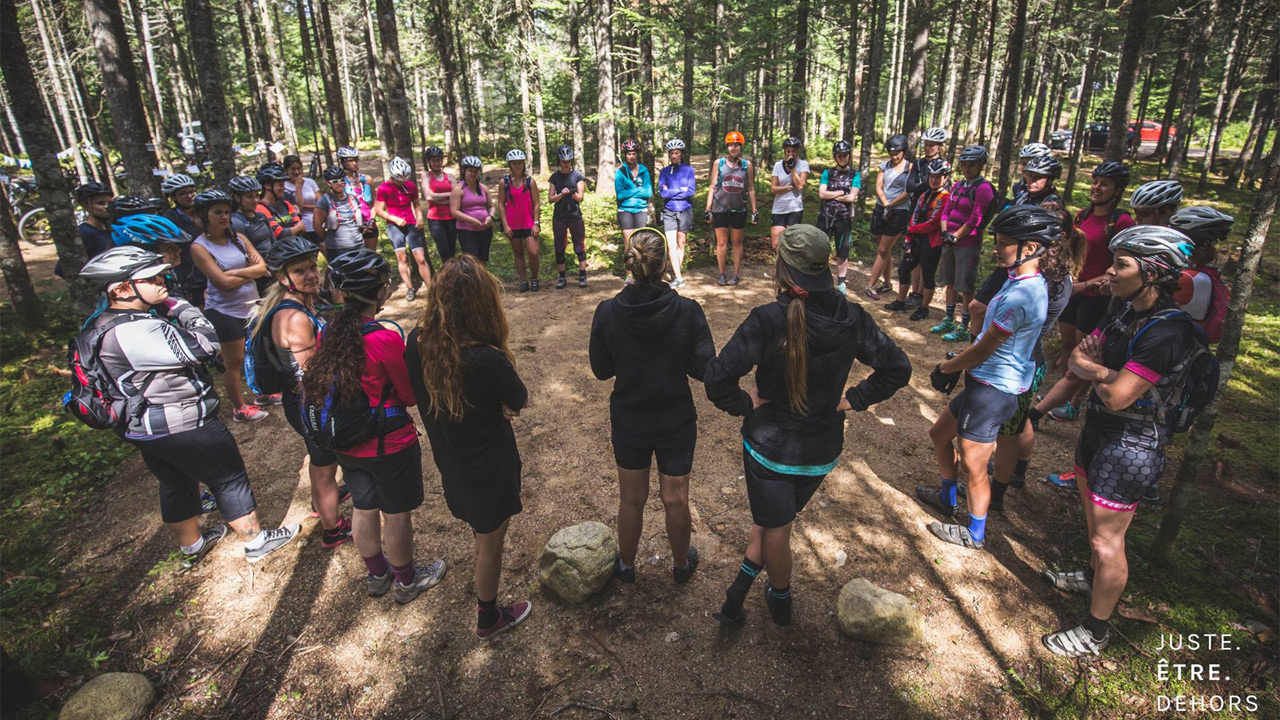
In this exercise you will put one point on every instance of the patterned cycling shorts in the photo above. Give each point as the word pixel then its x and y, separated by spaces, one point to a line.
pixel 1119 469
pixel 1026 401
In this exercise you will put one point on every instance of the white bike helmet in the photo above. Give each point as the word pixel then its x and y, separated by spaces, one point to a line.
pixel 1035 149
pixel 176 182
pixel 1161 249
pixel 675 144
pixel 347 152
pixel 1156 193
pixel 121 264
pixel 936 134
pixel 399 168
pixel 514 155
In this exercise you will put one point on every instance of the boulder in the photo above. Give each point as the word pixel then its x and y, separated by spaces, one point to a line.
pixel 111 696
pixel 578 561
pixel 873 614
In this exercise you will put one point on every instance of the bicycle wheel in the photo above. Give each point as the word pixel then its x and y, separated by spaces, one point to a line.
pixel 34 227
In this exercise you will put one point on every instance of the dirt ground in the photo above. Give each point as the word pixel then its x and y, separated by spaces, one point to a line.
pixel 296 636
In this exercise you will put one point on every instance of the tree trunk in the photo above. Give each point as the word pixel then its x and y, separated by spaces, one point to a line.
pixel 871 88
pixel 1175 87
pixel 38 133
pixel 575 83
pixel 152 95
pixel 381 115
pixel 984 96
pixel 1215 124
pixel 336 105
pixel 850 119
pixel 58 89
pixel 120 84
pixel 393 81
pixel 1191 94
pixel 648 92
pixel 260 121
pixel 467 90
pixel 440 23
pixel 947 73
pixel 1126 78
pixel 1264 207
pixel 309 62
pixel 799 78
pixel 17 281
pixel 275 71
pixel 1013 77
pixel 605 153
pixel 686 79
pixel 716 85
pixel 214 122
pixel 1078 140
pixel 913 108
pixel 180 74
pixel 970 40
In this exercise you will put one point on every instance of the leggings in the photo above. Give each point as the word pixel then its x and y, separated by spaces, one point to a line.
pixel 569 227
pixel 444 232
pixel 917 252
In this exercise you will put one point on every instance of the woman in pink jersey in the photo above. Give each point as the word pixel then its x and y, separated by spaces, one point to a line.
pixel 397 203
pixel 518 206
pixel 472 210
pixel 437 188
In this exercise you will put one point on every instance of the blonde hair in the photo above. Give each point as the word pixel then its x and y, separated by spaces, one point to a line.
pixel 796 345
pixel 646 257
pixel 275 293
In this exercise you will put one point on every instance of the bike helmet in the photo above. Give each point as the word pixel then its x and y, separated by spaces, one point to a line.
pixel 471 161
pixel 346 152
pixel 122 264
pixel 1156 194
pixel 271 173
pixel 146 231
pixel 1028 223
pixel 176 182
pixel 630 145
pixel 792 141
pixel 90 190
pixel 564 152
pixel 244 184
pixel 518 155
pixel 973 153
pixel 1046 165
pixel 938 166
pixel 897 143
pixel 842 147
pixel 733 137
pixel 675 144
pixel 399 168
pixel 126 205
pixel 208 198
pixel 360 274
pixel 936 135
pixel 1035 149
pixel 333 173
pixel 1117 172
pixel 1158 249
pixel 288 249
pixel 433 151
pixel 1202 223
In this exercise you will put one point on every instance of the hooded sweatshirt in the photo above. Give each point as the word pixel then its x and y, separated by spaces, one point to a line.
pixel 839 332
pixel 650 339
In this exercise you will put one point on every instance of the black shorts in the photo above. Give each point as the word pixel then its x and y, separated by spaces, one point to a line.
pixel 229 329
pixel 1118 469
pixel 787 219
pixel 675 454
pixel 521 233
pixel 207 454
pixel 483 502
pixel 980 410
pixel 391 483
pixel 1084 312
pixel 409 236
pixel 776 498
pixel 320 457
pixel 736 220
pixel 444 232
pixel 896 224
pixel 476 242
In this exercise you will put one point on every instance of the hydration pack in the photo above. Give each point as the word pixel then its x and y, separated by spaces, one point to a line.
pixel 992 209
pixel 264 371
pixel 341 426
pixel 94 398
pixel 1194 382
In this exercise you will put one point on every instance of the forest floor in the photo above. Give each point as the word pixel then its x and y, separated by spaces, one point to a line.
pixel 296 636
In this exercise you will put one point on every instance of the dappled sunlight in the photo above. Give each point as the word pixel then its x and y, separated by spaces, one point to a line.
pixel 904 335
pixel 929 413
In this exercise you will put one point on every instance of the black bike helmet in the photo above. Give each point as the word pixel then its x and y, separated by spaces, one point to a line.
pixel 360 274
pixel 973 153
pixel 271 173
pixel 842 147
pixel 244 184
pixel 1028 223
pixel 433 151
pixel 90 190
pixel 897 143
pixel 1118 172
pixel 126 205
pixel 1046 165
pixel 938 166
pixel 208 198
pixel 564 152
pixel 333 173
pixel 288 249
pixel 792 141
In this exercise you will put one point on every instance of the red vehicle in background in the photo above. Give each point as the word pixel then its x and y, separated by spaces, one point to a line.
pixel 1150 131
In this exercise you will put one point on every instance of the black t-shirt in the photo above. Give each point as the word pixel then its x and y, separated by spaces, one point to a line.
pixel 566 208
pixel 1155 355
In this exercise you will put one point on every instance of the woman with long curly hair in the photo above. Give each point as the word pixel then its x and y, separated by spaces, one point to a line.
pixel 361 362
pixel 467 389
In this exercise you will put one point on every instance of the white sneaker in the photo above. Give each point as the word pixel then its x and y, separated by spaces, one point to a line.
pixel 275 540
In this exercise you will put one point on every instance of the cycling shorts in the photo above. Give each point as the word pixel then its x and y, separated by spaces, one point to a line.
pixel 391 483
pixel 1118 468
pixel 980 410
pixel 675 455
pixel 732 220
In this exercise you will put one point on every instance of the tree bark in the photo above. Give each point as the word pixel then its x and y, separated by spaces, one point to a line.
pixel 1171 104
pixel 649 92
pixel 38 134
pixel 275 71
pixel 850 119
pixel 257 115
pixel 1191 94
pixel 17 281
pixel 984 96
pixel 717 35
pixel 871 89
pixel 799 77
pixel 1078 140
pixel 468 89
pixel 397 101
pixel 575 83
pixel 180 73
pixel 381 113
pixel 946 73
pixel 214 122
pixel 913 108
pixel 440 23
pixel 1127 78
pixel 120 84
pixel 1264 207
pixel 970 40
pixel 1013 76
pixel 59 91
pixel 605 163
pixel 1215 124
pixel 152 95
pixel 337 109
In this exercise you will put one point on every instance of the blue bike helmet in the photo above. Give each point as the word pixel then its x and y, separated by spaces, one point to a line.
pixel 146 231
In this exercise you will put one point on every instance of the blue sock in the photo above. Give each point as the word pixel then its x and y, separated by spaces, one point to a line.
pixel 977 527
pixel 948 491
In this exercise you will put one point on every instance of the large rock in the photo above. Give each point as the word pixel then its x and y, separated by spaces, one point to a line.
pixel 578 561
pixel 870 613
pixel 111 696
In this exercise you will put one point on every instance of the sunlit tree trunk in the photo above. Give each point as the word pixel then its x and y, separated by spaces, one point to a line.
pixel 441 21
pixel 337 110
pixel 605 162
pixel 1203 32
pixel 1127 78
pixel 275 67
pixel 17 281
pixel 871 88
pixel 575 83
pixel 393 81
pixel 913 108
pixel 1013 77
pixel 1086 100
pixel 798 72
pixel 850 114
pixel 1215 124
pixel 215 125
pixel 58 90
pixel 1171 104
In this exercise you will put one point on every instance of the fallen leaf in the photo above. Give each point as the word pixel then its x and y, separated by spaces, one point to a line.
pixel 1133 613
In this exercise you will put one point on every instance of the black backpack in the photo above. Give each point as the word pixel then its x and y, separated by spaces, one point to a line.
pixel 94 398
pixel 992 209
pixel 263 369
pixel 1195 379
pixel 339 427
pixel 1112 219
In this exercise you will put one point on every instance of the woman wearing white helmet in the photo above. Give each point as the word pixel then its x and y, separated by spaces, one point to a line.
pixel 932 140
pixel 518 211
pixel 677 185
pixel 1155 202
pixel 358 188
pixel 472 208
pixel 397 203
pixel 1028 151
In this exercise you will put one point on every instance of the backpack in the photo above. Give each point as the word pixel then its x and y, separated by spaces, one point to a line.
pixel 263 369
pixel 1195 383
pixel 1216 316
pixel 992 209
pixel 94 398
pixel 1112 219
pixel 339 427
pixel 746 167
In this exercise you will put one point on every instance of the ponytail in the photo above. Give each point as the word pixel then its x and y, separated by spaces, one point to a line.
pixel 797 342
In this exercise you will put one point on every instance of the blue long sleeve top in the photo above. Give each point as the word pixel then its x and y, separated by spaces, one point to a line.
pixel 676 184
pixel 633 195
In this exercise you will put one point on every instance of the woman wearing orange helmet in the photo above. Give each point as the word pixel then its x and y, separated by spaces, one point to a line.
pixel 733 183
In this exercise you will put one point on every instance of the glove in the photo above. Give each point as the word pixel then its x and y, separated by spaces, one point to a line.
pixel 949 239
pixel 707 215
pixel 789 165
pixel 943 382
pixel 755 217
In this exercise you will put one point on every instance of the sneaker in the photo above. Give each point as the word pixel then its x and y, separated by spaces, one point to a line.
pixel 533 285
pixel 914 300
pixel 871 293
pixel 509 616
pixel 683 574
pixel 1065 412
pixel 409 294
pixel 582 280
pixel 779 610
pixel 933 498
pixel 1075 642
pixel 627 575
pixel 208 503
pixel 1066 480
pixel 425 577
pixel 249 413
pixel 955 534
pixel 946 326
pixel 677 283
pixel 1152 495
pixel 561 282
pixel 377 585
pixel 921 313
pixel 276 539
pixel 896 306
pixel 735 280
pixel 211 537
pixel 274 399
pixel 341 533
pixel 885 287
pixel 722 280
pixel 524 286
pixel 343 495
pixel 842 288
pixel 959 334
pixel 1074 582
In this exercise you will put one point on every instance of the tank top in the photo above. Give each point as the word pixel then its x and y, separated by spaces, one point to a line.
pixel 519 207
pixel 474 204
pixel 441 184
pixel 731 187
pixel 239 300
pixel 895 182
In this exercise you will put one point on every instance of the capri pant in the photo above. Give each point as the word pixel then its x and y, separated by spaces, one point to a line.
pixel 476 242
pixel 207 454
pixel 561 230
pixel 917 252
pixel 445 234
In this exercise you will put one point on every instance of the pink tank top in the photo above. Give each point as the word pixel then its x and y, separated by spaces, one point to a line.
pixel 519 207
pixel 474 204
pixel 441 184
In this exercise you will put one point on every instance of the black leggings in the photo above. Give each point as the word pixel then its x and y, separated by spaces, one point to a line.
pixel 917 252
pixel 575 228
pixel 444 232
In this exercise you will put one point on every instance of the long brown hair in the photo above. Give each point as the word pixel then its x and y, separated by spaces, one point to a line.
pixel 1064 257
pixel 464 308
pixel 797 342
pixel 340 358
pixel 646 258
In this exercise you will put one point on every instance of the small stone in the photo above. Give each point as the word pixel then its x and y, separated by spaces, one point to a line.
pixel 303 542
pixel 726 490
pixel 111 696
pixel 577 561
pixel 673 636
pixel 870 613
pixel 841 558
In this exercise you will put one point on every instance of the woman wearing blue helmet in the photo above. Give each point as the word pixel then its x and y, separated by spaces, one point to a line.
pixel 159 235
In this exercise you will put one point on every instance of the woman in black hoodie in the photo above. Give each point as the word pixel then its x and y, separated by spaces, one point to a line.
pixel 802 347
pixel 649 339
